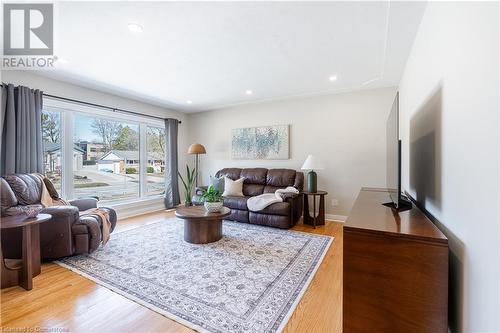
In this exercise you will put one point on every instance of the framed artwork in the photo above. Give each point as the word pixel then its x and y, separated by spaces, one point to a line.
pixel 260 143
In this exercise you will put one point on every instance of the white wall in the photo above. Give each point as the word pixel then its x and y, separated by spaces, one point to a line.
pixel 449 97
pixel 346 131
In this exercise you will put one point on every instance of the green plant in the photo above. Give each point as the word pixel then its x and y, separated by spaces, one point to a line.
pixel 150 169
pixel 130 170
pixel 211 195
pixel 188 184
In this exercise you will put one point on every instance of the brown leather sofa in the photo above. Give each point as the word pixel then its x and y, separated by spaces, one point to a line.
pixel 258 181
pixel 64 235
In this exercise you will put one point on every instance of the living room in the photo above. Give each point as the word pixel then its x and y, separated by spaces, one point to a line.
pixel 250 167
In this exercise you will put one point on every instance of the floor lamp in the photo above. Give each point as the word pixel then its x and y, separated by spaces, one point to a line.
pixel 196 149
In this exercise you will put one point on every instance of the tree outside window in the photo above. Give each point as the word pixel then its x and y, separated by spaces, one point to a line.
pixel 51 136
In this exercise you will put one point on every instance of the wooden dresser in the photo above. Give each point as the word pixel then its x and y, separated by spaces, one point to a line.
pixel 395 269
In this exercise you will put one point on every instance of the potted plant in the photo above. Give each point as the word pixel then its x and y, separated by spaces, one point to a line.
pixel 188 185
pixel 212 200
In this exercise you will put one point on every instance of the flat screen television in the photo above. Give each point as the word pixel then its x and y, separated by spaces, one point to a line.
pixel 397 200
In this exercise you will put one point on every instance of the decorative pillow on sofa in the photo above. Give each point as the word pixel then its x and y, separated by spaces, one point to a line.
pixel 233 188
pixel 217 183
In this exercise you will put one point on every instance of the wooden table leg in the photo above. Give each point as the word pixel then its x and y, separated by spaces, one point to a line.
pixel 321 213
pixel 306 216
pixel 314 211
pixel 35 249
pixel 27 270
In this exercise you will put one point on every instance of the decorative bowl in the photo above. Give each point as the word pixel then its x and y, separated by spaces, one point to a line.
pixel 31 211
pixel 213 207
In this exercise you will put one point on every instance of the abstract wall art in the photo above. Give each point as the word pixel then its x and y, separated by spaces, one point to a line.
pixel 261 143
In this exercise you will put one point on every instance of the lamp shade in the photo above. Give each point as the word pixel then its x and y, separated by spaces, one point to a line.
pixel 312 163
pixel 196 148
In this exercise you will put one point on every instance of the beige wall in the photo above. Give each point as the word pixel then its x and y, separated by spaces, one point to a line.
pixel 346 131
pixel 449 98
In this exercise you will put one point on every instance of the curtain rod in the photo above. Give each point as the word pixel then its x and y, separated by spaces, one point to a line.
pixel 100 106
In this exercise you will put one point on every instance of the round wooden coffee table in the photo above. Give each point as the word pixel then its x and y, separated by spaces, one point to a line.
pixel 200 226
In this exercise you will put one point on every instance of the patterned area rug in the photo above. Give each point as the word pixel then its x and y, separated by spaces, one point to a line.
pixel 249 281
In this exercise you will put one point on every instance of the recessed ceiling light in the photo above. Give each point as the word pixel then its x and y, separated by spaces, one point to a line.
pixel 333 78
pixel 189 102
pixel 249 92
pixel 134 27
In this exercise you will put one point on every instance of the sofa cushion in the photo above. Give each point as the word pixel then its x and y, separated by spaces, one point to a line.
pixel 280 177
pixel 252 190
pixel 7 196
pixel 254 176
pixel 278 208
pixel 27 187
pixel 271 189
pixel 236 202
pixel 233 173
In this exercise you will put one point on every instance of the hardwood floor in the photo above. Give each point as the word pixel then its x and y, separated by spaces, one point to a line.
pixel 68 302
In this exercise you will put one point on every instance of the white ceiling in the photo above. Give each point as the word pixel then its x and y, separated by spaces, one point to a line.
pixel 211 52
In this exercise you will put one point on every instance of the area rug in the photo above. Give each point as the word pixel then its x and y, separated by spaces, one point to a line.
pixel 249 281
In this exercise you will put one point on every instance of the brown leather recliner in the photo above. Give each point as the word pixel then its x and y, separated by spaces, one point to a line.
pixel 64 235
pixel 258 181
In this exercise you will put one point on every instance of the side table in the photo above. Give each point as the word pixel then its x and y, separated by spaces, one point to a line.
pixel 21 272
pixel 318 217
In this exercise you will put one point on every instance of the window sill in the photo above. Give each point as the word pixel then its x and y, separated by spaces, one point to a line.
pixel 118 203
pixel 134 207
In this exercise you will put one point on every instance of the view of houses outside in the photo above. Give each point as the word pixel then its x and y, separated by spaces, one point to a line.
pixel 106 158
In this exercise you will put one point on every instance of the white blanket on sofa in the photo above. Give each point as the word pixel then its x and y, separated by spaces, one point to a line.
pixel 262 201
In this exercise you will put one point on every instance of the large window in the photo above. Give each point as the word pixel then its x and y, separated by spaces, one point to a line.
pixel 113 156
pixel 155 137
pixel 52 152
pixel 108 165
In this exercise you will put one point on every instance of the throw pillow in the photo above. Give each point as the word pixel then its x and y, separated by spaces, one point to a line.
pixel 233 187
pixel 217 183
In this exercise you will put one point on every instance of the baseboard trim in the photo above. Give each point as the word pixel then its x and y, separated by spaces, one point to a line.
pixel 336 218
pixel 333 217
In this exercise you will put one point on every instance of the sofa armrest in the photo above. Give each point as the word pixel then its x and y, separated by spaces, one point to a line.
pixel 62 213
pixel 288 195
pixel 296 201
pixel 84 204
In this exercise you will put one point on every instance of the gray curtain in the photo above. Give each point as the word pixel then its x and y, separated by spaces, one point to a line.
pixel 21 149
pixel 172 198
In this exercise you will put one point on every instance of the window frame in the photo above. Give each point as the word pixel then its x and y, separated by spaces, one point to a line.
pixel 146 159
pixel 68 110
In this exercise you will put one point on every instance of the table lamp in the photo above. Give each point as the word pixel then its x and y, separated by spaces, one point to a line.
pixel 312 163
pixel 196 149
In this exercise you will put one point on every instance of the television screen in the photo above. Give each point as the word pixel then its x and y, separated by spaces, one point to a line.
pixel 393 169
